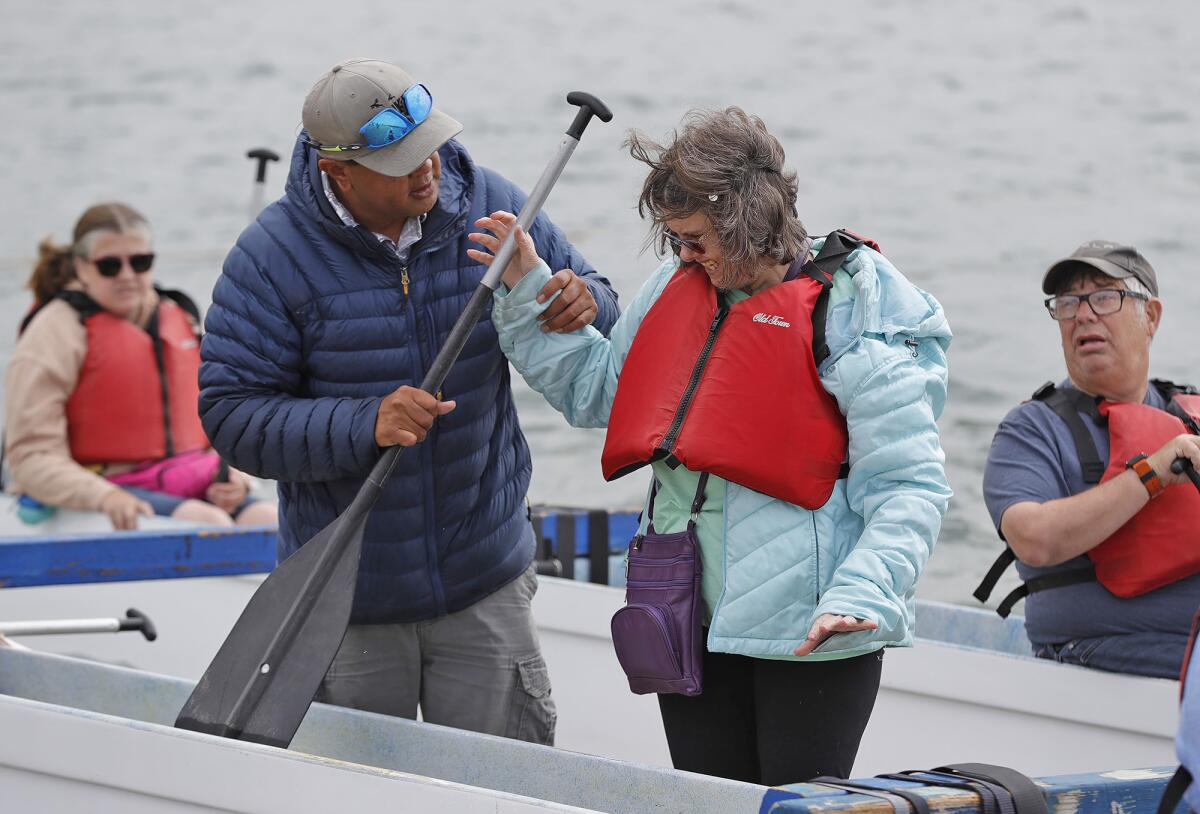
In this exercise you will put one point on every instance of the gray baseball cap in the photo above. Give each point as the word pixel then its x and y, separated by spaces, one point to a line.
pixel 353 92
pixel 1113 259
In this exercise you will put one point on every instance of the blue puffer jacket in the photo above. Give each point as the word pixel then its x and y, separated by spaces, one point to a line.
pixel 861 553
pixel 310 328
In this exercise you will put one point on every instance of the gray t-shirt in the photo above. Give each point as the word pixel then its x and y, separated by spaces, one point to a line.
pixel 1033 458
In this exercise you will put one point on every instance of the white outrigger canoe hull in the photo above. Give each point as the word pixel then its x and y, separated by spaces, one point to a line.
pixel 965 692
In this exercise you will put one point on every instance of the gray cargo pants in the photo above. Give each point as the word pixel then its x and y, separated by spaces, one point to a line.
pixel 479 669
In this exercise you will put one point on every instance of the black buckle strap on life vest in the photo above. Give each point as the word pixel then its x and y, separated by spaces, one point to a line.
pixel 1169 390
pixel 84 305
pixel 988 583
pixel 1067 404
pixel 1061 579
pixel 837 247
pixel 916 802
pixel 1174 790
pixel 183 301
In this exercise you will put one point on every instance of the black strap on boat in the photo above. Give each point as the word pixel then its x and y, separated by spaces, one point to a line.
pixel 1174 790
pixel 916 802
pixel 987 799
pixel 1026 796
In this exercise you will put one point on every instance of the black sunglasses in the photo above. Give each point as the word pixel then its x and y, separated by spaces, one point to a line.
pixel 677 242
pixel 110 266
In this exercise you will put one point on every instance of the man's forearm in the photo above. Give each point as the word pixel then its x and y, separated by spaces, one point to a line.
pixel 1050 533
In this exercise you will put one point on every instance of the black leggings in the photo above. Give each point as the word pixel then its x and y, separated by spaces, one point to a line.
pixel 773 722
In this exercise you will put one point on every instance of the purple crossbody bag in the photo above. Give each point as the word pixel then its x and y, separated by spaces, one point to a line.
pixel 657 634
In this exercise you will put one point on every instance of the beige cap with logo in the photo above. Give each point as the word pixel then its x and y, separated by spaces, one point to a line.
pixel 349 96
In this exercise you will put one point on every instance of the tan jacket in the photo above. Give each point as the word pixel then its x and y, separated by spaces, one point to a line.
pixel 40 378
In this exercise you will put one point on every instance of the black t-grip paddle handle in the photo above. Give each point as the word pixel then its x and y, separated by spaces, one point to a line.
pixel 1183 466
pixel 136 620
pixel 588 106
pixel 262 155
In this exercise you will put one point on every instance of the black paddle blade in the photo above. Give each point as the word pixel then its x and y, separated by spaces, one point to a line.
pixel 263 679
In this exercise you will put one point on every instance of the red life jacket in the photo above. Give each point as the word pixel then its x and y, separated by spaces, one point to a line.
pixel 1161 543
pixel 733 389
pixel 1158 545
pixel 136 398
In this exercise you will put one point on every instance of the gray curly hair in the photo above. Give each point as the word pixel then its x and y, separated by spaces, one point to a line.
pixel 725 164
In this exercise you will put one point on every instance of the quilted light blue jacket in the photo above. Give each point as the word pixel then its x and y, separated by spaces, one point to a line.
pixel 861 553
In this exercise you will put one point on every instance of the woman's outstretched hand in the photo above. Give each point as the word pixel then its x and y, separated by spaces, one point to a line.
pixel 828 624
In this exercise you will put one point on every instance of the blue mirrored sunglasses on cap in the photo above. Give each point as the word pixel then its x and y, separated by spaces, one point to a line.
pixel 390 124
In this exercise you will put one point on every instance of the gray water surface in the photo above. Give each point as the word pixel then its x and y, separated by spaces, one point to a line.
pixel 977 142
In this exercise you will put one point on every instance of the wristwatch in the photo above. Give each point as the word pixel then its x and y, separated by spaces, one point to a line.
pixel 1141 466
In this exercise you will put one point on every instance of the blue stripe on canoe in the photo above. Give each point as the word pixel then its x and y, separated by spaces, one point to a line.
pixel 118 556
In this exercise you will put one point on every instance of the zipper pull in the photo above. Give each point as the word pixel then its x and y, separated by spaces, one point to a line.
pixel 404 279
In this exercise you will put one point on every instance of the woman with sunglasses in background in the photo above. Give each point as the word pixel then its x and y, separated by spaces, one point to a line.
pixel 805 472
pixel 101 392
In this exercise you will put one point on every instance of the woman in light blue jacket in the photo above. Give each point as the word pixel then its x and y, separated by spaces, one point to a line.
pixel 797 603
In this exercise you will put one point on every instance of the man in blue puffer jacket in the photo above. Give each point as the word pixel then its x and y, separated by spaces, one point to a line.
pixel 329 311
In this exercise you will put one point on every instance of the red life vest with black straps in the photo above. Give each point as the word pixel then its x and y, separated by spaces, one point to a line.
pixel 137 393
pixel 1160 544
pixel 733 390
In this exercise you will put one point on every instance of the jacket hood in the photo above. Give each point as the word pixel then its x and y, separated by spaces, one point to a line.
pixel 447 218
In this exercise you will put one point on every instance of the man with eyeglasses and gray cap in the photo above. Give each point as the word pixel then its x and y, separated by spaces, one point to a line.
pixel 329 311
pixel 1080 485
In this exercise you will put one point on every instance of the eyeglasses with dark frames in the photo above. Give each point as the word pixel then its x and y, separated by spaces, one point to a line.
pixel 111 265
pixel 1103 301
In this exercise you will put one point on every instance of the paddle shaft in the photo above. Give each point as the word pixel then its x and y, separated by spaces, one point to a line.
pixel 302 603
